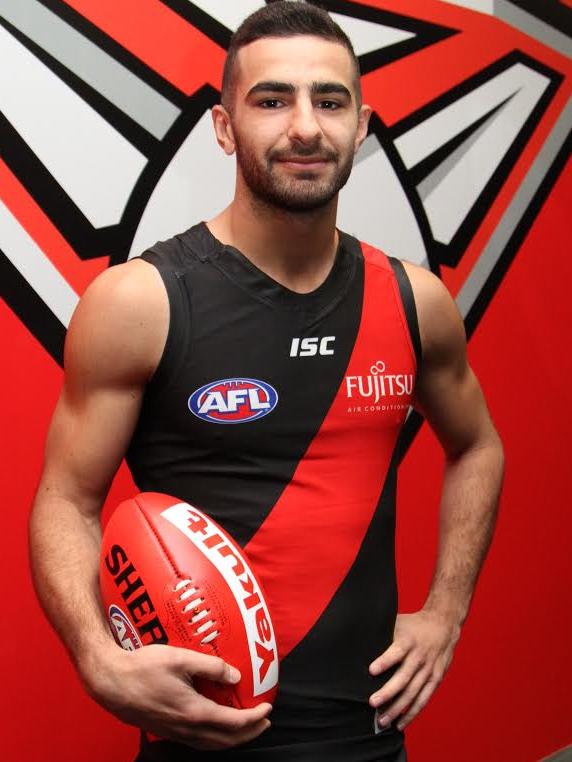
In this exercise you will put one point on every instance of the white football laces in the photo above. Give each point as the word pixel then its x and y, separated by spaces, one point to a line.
pixel 200 612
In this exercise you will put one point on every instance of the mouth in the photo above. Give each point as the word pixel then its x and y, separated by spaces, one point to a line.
pixel 304 162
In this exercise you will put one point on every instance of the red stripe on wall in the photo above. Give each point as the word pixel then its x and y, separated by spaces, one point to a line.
pixel 34 220
pixel 308 543
pixel 160 38
pixel 431 69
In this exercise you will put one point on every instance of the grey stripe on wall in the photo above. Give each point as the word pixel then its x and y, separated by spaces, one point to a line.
pixel 36 268
pixel 540 30
pixel 514 213
pixel 98 69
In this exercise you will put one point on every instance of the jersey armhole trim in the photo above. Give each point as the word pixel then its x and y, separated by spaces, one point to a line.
pixel 409 307
pixel 172 284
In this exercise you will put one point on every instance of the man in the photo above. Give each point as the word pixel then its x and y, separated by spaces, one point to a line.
pixel 270 290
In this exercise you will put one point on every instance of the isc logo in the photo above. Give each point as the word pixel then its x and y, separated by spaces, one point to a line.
pixel 311 347
pixel 233 400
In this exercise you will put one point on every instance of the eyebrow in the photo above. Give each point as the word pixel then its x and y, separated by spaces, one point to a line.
pixel 316 88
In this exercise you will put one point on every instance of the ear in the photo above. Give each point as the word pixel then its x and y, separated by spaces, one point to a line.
pixel 363 122
pixel 223 129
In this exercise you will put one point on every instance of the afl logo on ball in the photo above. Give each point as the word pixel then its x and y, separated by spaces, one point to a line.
pixel 233 400
pixel 123 630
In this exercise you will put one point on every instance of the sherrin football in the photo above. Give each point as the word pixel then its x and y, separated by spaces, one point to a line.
pixel 170 574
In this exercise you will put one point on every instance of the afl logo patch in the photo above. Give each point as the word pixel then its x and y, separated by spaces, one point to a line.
pixel 122 630
pixel 233 400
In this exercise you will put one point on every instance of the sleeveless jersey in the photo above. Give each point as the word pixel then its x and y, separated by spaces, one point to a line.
pixel 301 470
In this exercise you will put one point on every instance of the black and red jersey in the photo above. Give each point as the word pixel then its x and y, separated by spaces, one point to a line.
pixel 278 414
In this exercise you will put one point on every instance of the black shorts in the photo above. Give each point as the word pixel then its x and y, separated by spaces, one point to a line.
pixel 370 748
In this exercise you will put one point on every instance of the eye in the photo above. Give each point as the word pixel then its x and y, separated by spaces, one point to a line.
pixel 270 103
pixel 329 105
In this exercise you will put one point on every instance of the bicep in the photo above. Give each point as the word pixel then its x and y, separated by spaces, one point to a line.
pixel 451 400
pixel 112 347
pixel 88 437
pixel 447 392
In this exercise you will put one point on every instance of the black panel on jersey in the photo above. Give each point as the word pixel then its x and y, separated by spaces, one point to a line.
pixel 408 305
pixel 229 319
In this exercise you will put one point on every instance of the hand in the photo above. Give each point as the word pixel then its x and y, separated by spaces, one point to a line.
pixel 152 688
pixel 423 646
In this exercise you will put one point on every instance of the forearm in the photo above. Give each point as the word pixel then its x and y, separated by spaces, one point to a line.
pixel 64 554
pixel 471 490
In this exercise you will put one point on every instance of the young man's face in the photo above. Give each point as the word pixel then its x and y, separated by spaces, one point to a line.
pixel 295 124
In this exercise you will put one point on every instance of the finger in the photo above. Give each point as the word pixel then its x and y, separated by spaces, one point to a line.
pixel 197 724
pixel 209 667
pixel 207 712
pixel 396 652
pixel 419 703
pixel 254 731
pixel 398 682
pixel 404 700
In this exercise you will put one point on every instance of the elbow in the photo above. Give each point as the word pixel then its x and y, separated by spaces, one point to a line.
pixel 486 446
pixel 497 449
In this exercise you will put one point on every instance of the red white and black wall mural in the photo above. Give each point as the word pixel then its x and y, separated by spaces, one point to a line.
pixel 107 146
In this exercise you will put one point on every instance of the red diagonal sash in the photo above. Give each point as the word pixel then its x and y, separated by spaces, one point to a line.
pixel 308 542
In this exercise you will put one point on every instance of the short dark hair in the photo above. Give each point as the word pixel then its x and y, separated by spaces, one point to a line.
pixel 285 18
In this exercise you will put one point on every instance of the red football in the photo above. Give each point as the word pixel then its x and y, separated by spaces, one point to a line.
pixel 170 574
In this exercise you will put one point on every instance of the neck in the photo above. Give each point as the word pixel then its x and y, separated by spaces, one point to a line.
pixel 297 249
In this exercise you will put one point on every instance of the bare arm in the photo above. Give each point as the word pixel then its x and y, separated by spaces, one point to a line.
pixel 112 348
pixel 449 396
pixel 90 430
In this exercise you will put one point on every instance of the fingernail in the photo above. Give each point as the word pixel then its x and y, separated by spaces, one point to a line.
pixel 384 721
pixel 234 675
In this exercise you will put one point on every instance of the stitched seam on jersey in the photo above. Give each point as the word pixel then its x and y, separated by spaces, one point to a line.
pixel 168 338
pixel 200 255
pixel 211 259
pixel 336 298
pixel 164 375
pixel 287 307
pixel 241 286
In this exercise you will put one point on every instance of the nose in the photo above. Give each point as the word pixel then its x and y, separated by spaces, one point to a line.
pixel 304 127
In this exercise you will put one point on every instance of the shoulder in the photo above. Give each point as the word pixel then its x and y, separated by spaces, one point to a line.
pixel 121 322
pixel 440 324
pixel 126 287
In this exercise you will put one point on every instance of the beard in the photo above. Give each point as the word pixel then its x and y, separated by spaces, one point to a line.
pixel 299 192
